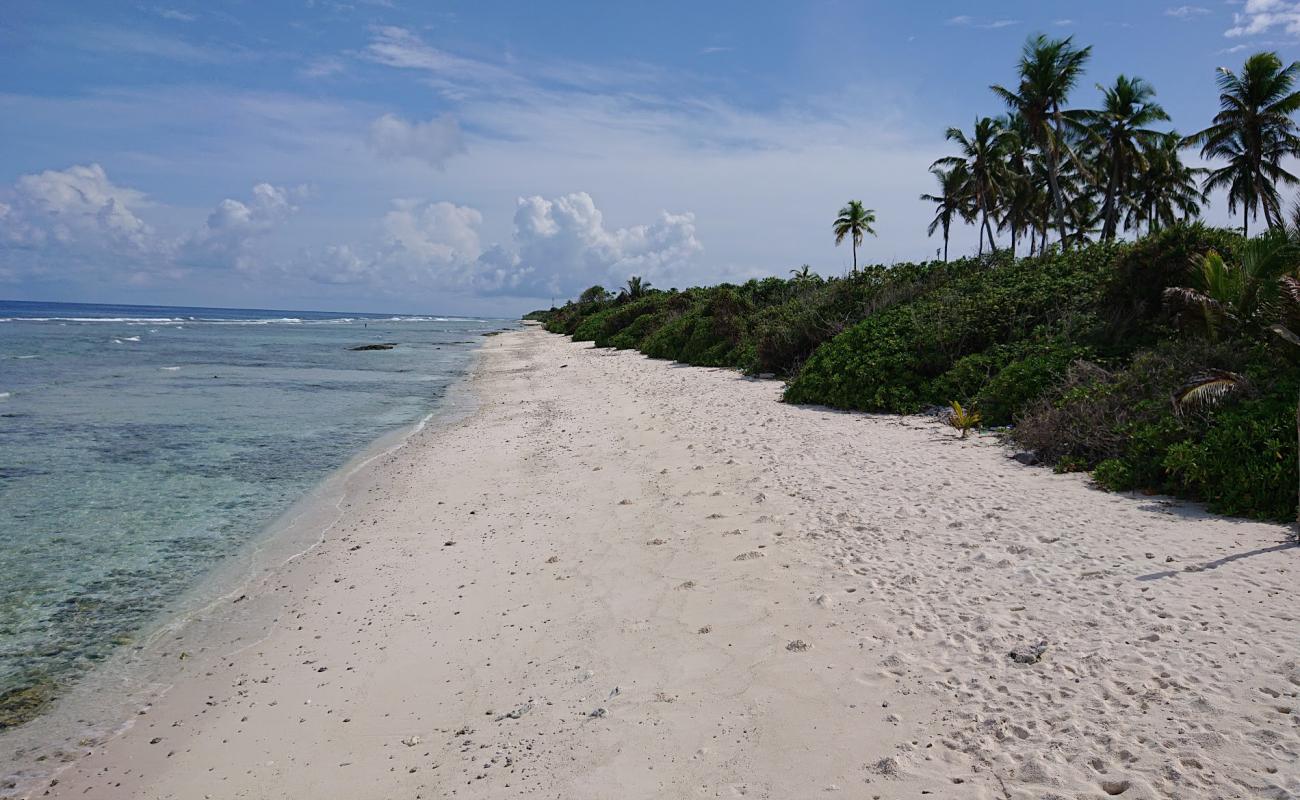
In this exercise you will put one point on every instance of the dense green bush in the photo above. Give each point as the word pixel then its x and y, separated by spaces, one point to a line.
pixel 895 360
pixel 1239 457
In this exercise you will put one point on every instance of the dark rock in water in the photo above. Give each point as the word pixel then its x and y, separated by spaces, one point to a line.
pixel 1029 459
pixel 380 346
pixel 1028 653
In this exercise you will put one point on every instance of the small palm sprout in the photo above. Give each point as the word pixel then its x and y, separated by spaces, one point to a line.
pixel 963 419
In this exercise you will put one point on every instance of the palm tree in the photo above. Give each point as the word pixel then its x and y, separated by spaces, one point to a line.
pixel 1254 131
pixel 951 201
pixel 1167 190
pixel 854 221
pixel 1246 295
pixel 1119 129
pixel 636 288
pixel 1049 69
pixel 804 273
pixel 1020 195
pixel 982 158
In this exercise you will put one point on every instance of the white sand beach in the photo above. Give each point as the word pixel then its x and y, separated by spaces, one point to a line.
pixel 624 578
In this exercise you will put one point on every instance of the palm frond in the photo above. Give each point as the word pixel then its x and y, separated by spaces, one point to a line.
pixel 1208 389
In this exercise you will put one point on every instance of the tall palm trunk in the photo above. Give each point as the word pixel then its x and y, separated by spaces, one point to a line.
pixel 993 248
pixel 1109 211
pixel 855 257
pixel 1053 179
pixel 945 243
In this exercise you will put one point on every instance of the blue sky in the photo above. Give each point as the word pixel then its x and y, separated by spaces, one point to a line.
pixel 482 157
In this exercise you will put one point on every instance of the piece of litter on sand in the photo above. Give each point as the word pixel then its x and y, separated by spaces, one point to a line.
pixel 516 713
pixel 1028 653
pixel 598 713
pixel 411 741
pixel 798 646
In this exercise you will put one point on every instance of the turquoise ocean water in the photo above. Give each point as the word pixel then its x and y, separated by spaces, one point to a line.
pixel 139 446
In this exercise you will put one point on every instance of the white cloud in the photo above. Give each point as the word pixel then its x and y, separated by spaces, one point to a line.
pixel 565 245
pixel 558 247
pixel 436 234
pixel 176 15
pixel 78 209
pixel 398 47
pixel 324 67
pixel 1261 16
pixel 970 22
pixel 338 264
pixel 1187 12
pixel 227 238
pixel 432 142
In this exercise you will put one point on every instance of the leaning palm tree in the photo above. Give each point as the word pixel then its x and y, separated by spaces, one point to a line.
pixel 983 160
pixel 1254 132
pixel 1119 131
pixel 951 201
pixel 1049 69
pixel 854 222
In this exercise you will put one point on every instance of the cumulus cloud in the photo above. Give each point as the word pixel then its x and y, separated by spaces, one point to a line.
pixel 60 222
pixel 565 245
pixel 437 234
pixel 557 247
pixel 78 220
pixel 1262 16
pixel 227 238
pixel 75 207
pixel 432 142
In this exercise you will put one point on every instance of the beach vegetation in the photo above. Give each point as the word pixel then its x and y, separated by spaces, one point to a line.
pixel 1099 323
pixel 961 418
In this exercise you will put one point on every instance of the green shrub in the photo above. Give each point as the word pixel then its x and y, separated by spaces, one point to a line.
pixel 1244 464
pixel 1113 475
pixel 888 361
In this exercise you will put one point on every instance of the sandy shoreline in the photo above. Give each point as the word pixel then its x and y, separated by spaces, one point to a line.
pixel 625 578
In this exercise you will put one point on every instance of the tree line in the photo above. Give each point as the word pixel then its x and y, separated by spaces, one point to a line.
pixel 1051 175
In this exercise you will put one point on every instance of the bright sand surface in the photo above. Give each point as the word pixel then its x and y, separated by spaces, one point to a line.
pixel 623 578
